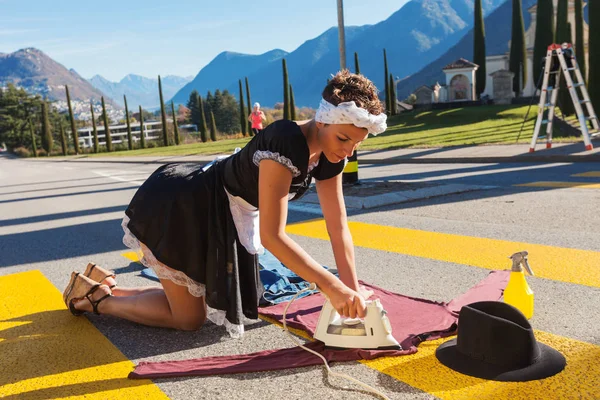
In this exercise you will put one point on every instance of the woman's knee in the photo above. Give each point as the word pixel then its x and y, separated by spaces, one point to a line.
pixel 190 322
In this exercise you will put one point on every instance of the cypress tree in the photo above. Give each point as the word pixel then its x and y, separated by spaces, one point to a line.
pixel 387 85
pixel 579 41
pixel 562 36
pixel 33 139
pixel 356 64
pixel 163 114
pixel 544 36
pixel 213 127
pixel 47 141
pixel 286 94
pixel 106 128
pixel 129 137
pixel 249 106
pixel 479 50
pixel 594 52
pixel 175 128
pixel 243 119
pixel 518 51
pixel 142 133
pixel 72 120
pixel 392 96
pixel 292 104
pixel 203 129
pixel 63 139
pixel 94 129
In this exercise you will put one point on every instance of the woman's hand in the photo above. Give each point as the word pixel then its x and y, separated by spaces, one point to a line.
pixel 348 302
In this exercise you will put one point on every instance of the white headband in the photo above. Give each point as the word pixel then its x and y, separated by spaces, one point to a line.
pixel 349 113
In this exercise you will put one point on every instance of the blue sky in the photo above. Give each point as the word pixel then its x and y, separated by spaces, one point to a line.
pixel 115 38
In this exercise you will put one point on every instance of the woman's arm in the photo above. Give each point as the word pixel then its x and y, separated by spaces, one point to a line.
pixel 334 210
pixel 274 183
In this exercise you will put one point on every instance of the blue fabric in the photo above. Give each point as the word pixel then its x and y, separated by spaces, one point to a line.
pixel 280 283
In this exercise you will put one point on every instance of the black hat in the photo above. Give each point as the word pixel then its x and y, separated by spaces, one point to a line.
pixel 495 341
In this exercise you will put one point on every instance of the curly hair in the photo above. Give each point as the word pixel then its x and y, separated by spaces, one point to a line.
pixel 346 86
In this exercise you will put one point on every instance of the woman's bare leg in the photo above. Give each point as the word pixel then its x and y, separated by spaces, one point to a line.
pixel 170 307
pixel 120 291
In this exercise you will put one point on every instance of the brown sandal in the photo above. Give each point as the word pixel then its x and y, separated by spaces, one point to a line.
pixel 99 274
pixel 81 287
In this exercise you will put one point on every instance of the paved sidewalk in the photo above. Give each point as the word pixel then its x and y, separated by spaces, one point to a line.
pixel 560 152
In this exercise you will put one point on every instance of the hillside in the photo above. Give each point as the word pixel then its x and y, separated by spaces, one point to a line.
pixel 37 73
pixel 139 90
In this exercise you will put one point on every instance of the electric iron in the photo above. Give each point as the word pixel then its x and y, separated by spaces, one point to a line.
pixel 372 332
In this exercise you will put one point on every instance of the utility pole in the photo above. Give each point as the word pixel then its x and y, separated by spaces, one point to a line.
pixel 350 173
pixel 341 33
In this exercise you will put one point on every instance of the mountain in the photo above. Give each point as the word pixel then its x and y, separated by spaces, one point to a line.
pixel 409 36
pixel 37 73
pixel 225 70
pixel 139 90
pixel 498 33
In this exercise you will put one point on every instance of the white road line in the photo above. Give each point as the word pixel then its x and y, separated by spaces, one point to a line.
pixel 117 178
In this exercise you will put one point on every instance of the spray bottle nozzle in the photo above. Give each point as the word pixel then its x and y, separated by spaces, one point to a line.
pixel 519 261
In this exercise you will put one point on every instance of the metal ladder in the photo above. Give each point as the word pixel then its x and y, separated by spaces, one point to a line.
pixel 561 58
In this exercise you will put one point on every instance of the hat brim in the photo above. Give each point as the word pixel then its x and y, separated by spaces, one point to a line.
pixel 550 362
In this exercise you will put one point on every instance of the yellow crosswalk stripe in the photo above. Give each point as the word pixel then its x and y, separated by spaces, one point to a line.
pixel 579 380
pixel 578 185
pixel 589 174
pixel 556 263
pixel 47 353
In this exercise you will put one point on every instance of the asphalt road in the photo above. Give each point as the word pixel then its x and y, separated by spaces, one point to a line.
pixel 57 216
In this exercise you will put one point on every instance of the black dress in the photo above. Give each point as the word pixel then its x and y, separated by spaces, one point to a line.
pixel 182 214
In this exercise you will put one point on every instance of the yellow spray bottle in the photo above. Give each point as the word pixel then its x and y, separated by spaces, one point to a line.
pixel 517 292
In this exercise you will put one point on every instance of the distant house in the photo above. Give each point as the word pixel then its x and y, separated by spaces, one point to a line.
pixel 460 80
pixel 423 94
pixel 500 61
pixel 403 107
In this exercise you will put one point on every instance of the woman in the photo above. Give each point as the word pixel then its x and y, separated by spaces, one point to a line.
pixel 200 230
pixel 256 118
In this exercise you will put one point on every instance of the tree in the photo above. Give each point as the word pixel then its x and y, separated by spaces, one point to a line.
pixel 129 137
pixel 392 96
pixel 47 141
pixel 142 133
pixel 249 105
pixel 175 128
pixel 518 51
pixel 16 108
pixel 579 42
pixel 356 64
pixel 106 127
pixel 226 109
pixel 33 139
pixel 213 127
pixel 203 129
pixel 163 114
pixel 292 105
pixel 594 52
pixel 563 35
pixel 243 119
pixel 192 104
pixel 94 129
pixel 387 85
pixel 72 120
pixel 63 139
pixel 479 50
pixel 286 94
pixel 544 36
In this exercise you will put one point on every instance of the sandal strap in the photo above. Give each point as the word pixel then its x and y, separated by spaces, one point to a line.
pixel 95 303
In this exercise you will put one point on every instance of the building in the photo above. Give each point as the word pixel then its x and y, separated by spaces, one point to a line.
pixel 500 62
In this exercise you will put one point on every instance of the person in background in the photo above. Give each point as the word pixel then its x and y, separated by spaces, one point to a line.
pixel 257 117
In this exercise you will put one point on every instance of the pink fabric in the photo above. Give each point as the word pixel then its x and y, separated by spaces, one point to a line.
pixel 413 320
pixel 257 120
